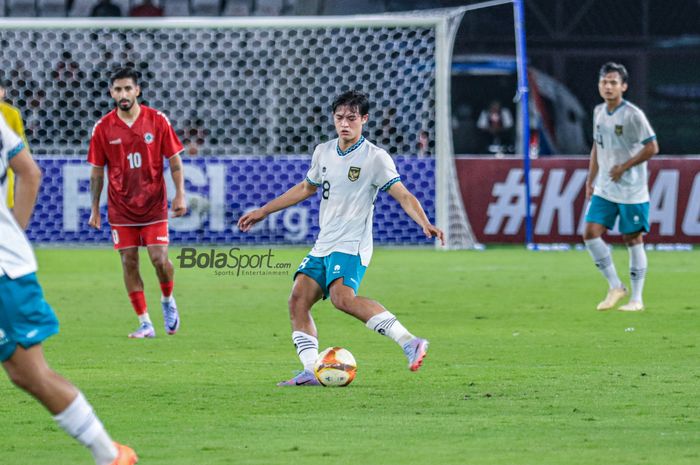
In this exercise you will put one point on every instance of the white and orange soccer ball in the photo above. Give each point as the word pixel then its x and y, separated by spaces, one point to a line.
pixel 335 367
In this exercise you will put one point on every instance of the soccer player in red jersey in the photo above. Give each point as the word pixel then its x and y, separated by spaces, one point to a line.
pixel 131 141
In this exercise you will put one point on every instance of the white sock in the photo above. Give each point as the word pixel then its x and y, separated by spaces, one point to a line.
pixel 603 261
pixel 307 349
pixel 145 318
pixel 164 299
pixel 80 421
pixel 386 324
pixel 638 270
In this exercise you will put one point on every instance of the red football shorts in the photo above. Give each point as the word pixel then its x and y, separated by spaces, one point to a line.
pixel 125 237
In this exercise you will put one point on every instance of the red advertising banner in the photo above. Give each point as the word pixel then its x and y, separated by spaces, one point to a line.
pixel 494 197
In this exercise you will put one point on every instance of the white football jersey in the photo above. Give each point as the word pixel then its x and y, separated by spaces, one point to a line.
pixel 619 135
pixel 349 182
pixel 16 255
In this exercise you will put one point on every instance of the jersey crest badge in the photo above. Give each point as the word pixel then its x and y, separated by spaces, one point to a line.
pixel 354 173
pixel 148 137
pixel 618 130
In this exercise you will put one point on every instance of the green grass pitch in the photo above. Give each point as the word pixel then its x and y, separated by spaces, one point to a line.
pixel 521 369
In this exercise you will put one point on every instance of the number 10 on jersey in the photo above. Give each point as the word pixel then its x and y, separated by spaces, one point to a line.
pixel 134 160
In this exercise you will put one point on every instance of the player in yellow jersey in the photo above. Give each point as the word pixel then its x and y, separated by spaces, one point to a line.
pixel 13 117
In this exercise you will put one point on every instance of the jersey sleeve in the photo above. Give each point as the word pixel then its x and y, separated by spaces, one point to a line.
pixel 170 145
pixel 14 120
pixel 11 142
pixel 313 176
pixel 642 131
pixel 386 174
pixel 96 152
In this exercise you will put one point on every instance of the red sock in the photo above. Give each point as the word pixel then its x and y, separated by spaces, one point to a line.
pixel 138 301
pixel 167 288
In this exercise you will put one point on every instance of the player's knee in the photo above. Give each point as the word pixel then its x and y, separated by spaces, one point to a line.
pixel 590 233
pixel 130 262
pixel 16 378
pixel 632 239
pixel 24 379
pixel 341 300
pixel 297 305
pixel 161 262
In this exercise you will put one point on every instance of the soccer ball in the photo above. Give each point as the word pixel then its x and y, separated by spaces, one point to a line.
pixel 335 367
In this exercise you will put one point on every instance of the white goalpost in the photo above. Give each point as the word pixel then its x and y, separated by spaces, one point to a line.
pixel 264 83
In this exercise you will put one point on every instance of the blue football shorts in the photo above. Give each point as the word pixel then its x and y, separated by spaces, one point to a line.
pixel 634 217
pixel 325 270
pixel 25 317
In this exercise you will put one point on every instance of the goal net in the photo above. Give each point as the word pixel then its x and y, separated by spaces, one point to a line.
pixel 252 86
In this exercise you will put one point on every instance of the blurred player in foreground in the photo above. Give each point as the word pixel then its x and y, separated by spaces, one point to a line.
pixel 350 171
pixel 617 185
pixel 26 319
pixel 131 141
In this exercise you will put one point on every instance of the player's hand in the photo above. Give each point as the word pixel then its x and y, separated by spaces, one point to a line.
pixel 95 220
pixel 179 206
pixel 432 231
pixel 589 191
pixel 616 172
pixel 247 221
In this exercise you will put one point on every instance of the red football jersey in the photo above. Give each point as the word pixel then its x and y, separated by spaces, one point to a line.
pixel 133 155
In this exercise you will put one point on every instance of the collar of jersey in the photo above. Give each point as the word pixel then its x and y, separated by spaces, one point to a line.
pixel 354 147
pixel 622 104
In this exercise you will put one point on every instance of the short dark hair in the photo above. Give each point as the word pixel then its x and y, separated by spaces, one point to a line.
pixel 612 67
pixel 352 99
pixel 125 72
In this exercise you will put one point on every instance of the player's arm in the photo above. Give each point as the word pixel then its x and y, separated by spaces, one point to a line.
pixel 592 171
pixel 97 180
pixel 27 186
pixel 179 207
pixel 413 208
pixel 293 196
pixel 649 149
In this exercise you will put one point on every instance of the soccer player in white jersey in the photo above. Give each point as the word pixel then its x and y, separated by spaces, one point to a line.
pixel 617 185
pixel 26 320
pixel 350 171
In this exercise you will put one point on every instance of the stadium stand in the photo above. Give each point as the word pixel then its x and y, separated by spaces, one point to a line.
pixel 307 7
pixel 51 8
pixel 237 8
pixel 81 8
pixel 343 7
pixel 268 7
pixel 21 8
pixel 176 8
pixel 205 7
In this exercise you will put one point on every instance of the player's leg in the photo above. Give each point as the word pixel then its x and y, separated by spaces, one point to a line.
pixel 134 288
pixel 634 221
pixel 306 291
pixel 158 253
pixel 27 320
pixel 28 370
pixel 344 298
pixel 345 273
pixel 163 266
pixel 600 217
